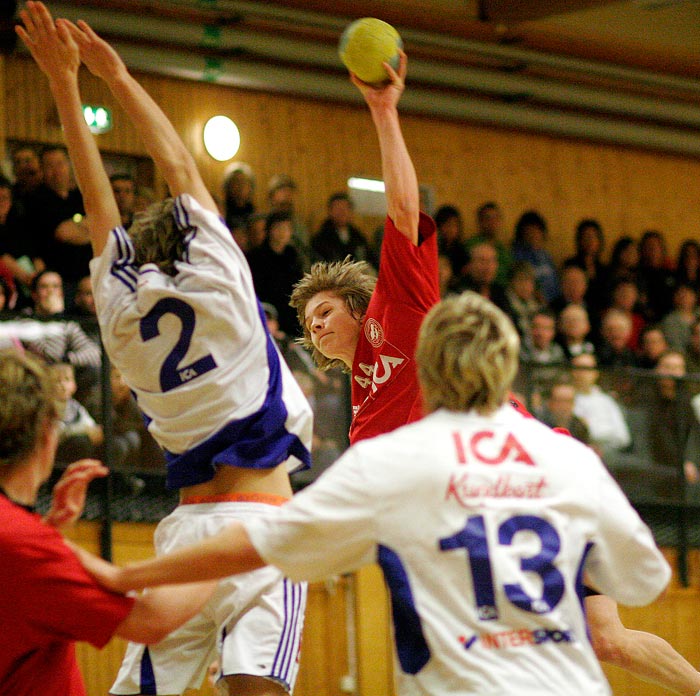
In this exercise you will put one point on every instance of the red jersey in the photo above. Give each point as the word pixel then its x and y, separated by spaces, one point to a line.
pixel 48 601
pixel 385 392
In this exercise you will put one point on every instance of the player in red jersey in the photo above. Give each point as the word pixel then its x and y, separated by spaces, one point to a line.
pixel 370 328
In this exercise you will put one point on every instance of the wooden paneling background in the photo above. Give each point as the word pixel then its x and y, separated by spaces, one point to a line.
pixel 321 144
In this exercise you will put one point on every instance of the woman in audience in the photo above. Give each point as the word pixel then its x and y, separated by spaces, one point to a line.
pixel 624 261
pixel 529 245
pixel 655 275
pixel 677 323
pixel 688 264
pixel 589 247
pixel 239 187
pixel 521 297
pixel 625 297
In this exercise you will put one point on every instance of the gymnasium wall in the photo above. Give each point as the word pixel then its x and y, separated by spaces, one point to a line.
pixel 321 144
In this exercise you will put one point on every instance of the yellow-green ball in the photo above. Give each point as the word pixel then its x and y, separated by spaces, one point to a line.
pixel 366 44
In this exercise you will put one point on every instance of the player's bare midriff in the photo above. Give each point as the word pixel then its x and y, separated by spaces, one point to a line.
pixel 234 480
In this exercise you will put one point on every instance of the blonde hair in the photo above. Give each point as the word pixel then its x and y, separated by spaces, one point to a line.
pixel 156 237
pixel 352 281
pixel 467 355
pixel 27 404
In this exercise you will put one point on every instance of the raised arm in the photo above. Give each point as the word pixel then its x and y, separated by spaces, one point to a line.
pixel 400 180
pixel 159 136
pixel 57 54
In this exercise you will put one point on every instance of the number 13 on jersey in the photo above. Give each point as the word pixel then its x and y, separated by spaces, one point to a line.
pixel 473 539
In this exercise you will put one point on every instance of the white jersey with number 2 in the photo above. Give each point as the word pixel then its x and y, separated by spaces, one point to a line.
pixel 195 351
pixel 483 527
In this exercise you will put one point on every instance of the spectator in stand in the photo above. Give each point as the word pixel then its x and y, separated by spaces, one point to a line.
pixel 124 188
pixel 5 295
pixel 574 289
pixel 558 411
pixel 255 231
pixel 84 309
pixel 489 228
pixel 10 241
pixel 574 328
pixel 281 193
pixel 673 429
pixel 613 348
pixel 446 277
pixel 692 350
pixel 541 358
pixel 26 169
pixel 54 218
pixel 652 345
pixel 529 245
pixel 521 297
pixel 448 221
pixel 238 190
pixel 590 243
pixel 47 332
pixel 655 275
pixel 133 446
pixel 540 347
pixel 145 197
pixel 276 267
pixel 480 274
pixel 676 324
pixel 338 237
pixel 603 416
pixel 624 261
pixel 625 297
pixel 688 265
pixel 80 437
pixel 324 450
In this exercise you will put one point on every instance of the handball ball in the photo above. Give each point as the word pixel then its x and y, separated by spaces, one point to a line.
pixel 366 44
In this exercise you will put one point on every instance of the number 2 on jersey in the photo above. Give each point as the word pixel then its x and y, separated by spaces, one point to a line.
pixel 473 538
pixel 172 374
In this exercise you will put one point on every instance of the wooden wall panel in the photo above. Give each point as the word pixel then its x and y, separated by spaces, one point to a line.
pixel 321 144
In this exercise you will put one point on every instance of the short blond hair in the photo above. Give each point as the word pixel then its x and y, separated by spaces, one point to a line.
pixel 26 406
pixel 351 281
pixel 157 238
pixel 467 355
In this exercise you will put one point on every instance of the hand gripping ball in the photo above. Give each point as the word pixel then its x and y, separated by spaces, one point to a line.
pixel 366 44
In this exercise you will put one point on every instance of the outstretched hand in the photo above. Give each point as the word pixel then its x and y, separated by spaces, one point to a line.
pixel 49 42
pixel 68 496
pixel 99 57
pixel 386 94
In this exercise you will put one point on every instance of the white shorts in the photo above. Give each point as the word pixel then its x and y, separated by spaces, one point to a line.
pixel 252 623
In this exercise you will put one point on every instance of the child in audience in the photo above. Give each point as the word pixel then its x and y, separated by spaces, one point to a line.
pixel 79 435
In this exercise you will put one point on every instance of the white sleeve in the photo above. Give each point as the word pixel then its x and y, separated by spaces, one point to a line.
pixel 327 529
pixel 624 562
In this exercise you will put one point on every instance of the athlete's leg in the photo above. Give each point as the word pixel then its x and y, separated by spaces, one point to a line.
pixel 643 654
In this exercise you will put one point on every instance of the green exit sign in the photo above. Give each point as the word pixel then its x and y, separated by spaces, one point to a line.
pixel 98 118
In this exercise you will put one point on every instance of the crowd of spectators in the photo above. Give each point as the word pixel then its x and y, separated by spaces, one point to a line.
pixel 628 311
